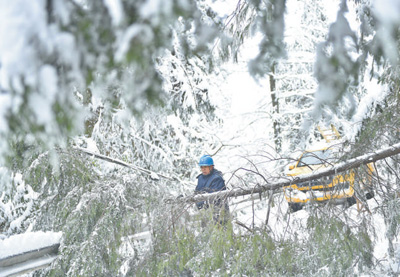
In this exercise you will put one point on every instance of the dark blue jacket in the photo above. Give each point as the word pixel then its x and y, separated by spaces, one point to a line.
pixel 210 183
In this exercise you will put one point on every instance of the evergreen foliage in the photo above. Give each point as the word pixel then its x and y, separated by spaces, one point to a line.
pixel 135 83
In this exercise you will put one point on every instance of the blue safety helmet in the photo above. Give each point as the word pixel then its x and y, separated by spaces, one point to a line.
pixel 206 160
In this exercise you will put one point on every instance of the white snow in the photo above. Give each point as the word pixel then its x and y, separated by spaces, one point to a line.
pixel 115 10
pixel 241 127
pixel 91 145
pixel 284 224
pixel 131 32
pixel 152 9
pixel 5 104
pixel 154 176
pixel 387 13
pixel 375 92
pixel 19 33
pixel 27 242
pixel 387 10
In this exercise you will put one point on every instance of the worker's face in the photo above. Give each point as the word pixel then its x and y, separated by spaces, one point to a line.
pixel 205 170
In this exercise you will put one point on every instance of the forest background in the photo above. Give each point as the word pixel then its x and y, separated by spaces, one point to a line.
pixel 157 84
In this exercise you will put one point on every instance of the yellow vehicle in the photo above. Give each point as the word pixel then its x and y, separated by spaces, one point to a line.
pixel 339 188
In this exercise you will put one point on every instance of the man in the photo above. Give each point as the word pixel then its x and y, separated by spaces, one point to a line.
pixel 210 180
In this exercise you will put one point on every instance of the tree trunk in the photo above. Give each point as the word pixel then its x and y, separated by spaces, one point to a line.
pixel 275 108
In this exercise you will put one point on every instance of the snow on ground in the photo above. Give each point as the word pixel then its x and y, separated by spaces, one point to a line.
pixel 26 242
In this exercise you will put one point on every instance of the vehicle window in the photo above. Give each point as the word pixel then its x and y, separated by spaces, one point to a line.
pixel 314 158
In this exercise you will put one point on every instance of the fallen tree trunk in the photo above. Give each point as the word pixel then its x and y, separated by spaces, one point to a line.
pixel 341 167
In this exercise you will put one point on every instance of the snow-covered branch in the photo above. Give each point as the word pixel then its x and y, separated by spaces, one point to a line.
pixel 153 175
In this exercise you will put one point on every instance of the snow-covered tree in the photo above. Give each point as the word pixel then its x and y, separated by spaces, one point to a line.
pixel 81 50
pixel 80 76
pixel 292 80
